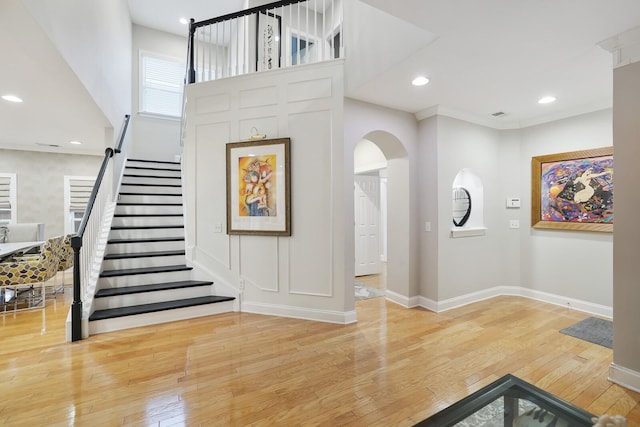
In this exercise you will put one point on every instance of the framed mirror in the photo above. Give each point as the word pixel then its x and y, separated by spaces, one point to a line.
pixel 461 206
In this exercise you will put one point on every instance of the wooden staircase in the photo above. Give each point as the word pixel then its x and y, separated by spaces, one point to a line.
pixel 144 278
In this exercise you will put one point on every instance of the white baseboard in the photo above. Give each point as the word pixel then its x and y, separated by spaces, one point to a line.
pixel 407 302
pixel 327 316
pixel 624 377
pixel 575 304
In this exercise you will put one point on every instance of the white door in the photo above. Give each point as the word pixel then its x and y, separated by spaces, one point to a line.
pixel 367 224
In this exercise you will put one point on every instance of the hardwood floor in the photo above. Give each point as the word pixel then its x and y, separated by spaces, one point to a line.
pixel 394 367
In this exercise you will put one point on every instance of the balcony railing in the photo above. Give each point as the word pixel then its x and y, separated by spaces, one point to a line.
pixel 277 35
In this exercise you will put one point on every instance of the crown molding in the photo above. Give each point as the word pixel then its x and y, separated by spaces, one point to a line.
pixel 625 47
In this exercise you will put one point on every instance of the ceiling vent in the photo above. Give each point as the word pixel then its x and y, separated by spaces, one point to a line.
pixel 499 114
pixel 47 145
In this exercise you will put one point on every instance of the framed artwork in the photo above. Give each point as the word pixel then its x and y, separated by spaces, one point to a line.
pixel 573 191
pixel 268 41
pixel 258 193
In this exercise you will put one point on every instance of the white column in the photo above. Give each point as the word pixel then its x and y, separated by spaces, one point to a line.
pixel 625 47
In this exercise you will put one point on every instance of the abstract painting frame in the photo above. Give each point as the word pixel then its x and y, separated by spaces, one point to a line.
pixel 573 190
pixel 268 41
pixel 258 187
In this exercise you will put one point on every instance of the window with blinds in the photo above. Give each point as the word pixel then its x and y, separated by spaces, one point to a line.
pixel 7 197
pixel 77 194
pixel 161 85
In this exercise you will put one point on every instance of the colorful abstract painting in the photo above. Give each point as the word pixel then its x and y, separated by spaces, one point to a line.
pixel 577 190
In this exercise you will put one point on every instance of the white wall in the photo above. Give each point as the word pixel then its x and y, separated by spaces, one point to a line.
pixel 567 263
pixel 95 40
pixel 469 264
pixel 503 256
pixel 309 274
pixel 153 137
pixel 368 157
pixel 428 208
pixel 395 133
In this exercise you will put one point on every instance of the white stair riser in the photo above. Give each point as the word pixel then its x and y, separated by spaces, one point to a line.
pixel 127 322
pixel 152 198
pixel 152 173
pixel 150 189
pixel 146 233
pixel 156 261
pixel 143 279
pixel 148 210
pixel 126 221
pixel 132 248
pixel 151 297
pixel 151 180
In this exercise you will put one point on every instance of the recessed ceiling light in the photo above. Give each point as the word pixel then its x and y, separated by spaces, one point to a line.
pixel 547 99
pixel 184 21
pixel 420 81
pixel 11 98
pixel 75 142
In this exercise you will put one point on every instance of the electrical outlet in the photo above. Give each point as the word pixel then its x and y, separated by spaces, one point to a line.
pixel 514 223
pixel 218 228
pixel 242 284
pixel 427 226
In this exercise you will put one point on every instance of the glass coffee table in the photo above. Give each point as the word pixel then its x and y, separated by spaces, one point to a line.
pixel 510 402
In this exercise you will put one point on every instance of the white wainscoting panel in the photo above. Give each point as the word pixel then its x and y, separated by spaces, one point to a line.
pixel 259 97
pixel 311 243
pixel 259 262
pixel 309 90
pixel 213 103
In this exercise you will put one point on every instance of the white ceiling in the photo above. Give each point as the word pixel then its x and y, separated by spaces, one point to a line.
pixel 57 108
pixel 481 56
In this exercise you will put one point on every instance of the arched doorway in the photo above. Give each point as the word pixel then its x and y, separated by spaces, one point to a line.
pixel 381 181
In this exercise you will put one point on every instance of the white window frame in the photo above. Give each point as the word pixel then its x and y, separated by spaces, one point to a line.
pixel 317 42
pixel 142 54
pixel 70 217
pixel 13 197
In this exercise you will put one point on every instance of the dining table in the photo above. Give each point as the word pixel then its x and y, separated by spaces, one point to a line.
pixel 7 249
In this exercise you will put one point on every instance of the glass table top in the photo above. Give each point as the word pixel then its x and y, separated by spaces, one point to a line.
pixel 510 402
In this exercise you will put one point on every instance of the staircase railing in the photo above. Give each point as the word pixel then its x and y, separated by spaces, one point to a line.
pixel 276 35
pixel 88 233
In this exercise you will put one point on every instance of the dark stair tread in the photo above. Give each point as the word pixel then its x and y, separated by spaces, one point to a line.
pixel 144 227
pixel 150 176
pixel 152 194
pixel 147 240
pixel 147 168
pixel 166 162
pixel 138 289
pixel 144 254
pixel 146 270
pixel 151 185
pixel 148 204
pixel 158 306
pixel 147 215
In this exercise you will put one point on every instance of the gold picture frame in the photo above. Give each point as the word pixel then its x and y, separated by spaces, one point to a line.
pixel 573 190
pixel 258 187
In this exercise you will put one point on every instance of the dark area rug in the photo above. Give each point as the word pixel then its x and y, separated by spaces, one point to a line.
pixel 592 329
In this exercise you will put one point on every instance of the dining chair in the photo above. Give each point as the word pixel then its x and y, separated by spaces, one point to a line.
pixel 24 275
pixel 66 259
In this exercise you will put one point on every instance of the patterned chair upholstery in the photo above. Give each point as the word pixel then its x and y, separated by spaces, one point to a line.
pixel 66 257
pixel 39 269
